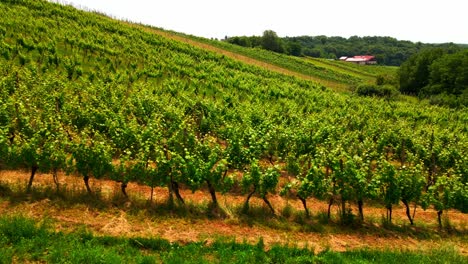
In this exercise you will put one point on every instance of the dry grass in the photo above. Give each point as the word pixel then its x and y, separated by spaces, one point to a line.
pixel 136 217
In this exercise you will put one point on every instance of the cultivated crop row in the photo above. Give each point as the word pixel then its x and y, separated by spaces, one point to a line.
pixel 87 95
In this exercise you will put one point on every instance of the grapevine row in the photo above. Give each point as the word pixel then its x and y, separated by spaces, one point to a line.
pixel 93 97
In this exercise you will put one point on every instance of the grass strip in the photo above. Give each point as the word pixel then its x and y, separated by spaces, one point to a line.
pixel 25 240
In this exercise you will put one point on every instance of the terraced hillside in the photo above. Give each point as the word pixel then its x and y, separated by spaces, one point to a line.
pixel 86 95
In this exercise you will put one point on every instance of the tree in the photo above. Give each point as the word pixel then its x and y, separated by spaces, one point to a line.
pixel 241 41
pixel 448 74
pixel 294 49
pixel 271 41
pixel 414 73
pixel 435 71
pixel 313 52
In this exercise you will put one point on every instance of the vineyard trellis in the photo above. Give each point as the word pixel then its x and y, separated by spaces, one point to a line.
pixel 123 104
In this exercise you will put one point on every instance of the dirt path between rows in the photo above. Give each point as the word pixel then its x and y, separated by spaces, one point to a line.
pixel 123 221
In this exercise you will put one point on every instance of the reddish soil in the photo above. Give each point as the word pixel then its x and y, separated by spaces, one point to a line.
pixel 123 221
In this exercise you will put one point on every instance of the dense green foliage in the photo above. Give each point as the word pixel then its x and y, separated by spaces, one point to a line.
pixel 387 50
pixel 22 240
pixel 85 94
pixel 270 41
pixel 376 90
pixel 332 74
pixel 441 74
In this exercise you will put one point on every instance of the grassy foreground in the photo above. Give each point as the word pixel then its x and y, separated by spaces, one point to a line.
pixel 24 240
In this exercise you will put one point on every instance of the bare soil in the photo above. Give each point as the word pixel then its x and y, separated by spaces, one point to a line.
pixel 124 221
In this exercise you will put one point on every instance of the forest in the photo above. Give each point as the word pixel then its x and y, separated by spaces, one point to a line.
pixel 439 74
pixel 387 50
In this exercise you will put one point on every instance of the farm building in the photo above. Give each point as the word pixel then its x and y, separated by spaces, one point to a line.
pixel 365 59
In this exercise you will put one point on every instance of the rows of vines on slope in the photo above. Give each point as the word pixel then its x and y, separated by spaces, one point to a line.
pixel 291 63
pixel 125 105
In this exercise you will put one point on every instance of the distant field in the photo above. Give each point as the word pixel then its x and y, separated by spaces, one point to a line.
pixel 369 72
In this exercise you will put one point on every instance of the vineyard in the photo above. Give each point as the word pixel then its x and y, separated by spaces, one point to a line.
pixel 83 94
pixel 363 73
pixel 335 75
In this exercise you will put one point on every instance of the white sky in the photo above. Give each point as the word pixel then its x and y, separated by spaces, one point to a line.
pixel 429 21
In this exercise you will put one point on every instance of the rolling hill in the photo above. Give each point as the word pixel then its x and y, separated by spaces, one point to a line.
pixel 84 94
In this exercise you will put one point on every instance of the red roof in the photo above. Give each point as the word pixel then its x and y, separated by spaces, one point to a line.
pixel 364 58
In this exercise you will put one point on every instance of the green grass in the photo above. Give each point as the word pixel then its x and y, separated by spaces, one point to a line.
pixel 24 240
pixel 363 71
pixel 443 255
pixel 287 219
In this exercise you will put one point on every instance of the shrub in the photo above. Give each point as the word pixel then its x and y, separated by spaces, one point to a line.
pixel 390 79
pixel 450 100
pixel 14 229
pixel 387 90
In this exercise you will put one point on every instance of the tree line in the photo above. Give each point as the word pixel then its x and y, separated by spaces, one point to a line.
pixel 387 50
pixel 440 74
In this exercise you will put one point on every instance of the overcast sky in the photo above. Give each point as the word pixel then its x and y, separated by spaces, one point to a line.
pixel 428 21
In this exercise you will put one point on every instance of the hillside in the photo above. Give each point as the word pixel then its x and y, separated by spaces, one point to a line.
pixel 340 78
pixel 387 50
pixel 84 95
